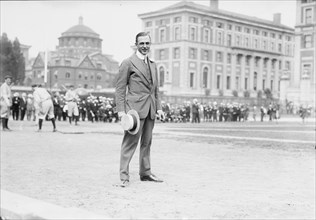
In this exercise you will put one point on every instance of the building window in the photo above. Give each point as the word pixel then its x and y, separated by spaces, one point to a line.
pixel 162 54
pixel 246 42
pixel 273 64
pixel 237 40
pixel 219 25
pixel 99 76
pixel 192 53
pixel 205 76
pixel 255 77
pixel 307 41
pixel 91 76
pixel 228 82
pixel 193 19
pixel 229 27
pixel 272 35
pixel 247 30
pixel 67 63
pixel 229 58
pixel 229 40
pixel 219 56
pixel 149 24
pixel 280 47
pixel 219 38
pixel 79 76
pixel 238 28
pixel 205 55
pixel 218 82
pixel 206 34
pixel 237 83
pixel 264 45
pixel 256 32
pixel 272 46
pixel 176 53
pixel 177 19
pixel 192 33
pixel 161 76
pixel 263 84
pixel 287 65
pixel 207 22
pixel 191 80
pixel 271 84
pixel 280 64
pixel 177 33
pixel 308 16
pixel 264 33
pixel 246 83
pixel 256 44
pixel 265 63
pixel 247 60
pixel 238 61
pixel 162 35
pixel 86 76
pixel 67 75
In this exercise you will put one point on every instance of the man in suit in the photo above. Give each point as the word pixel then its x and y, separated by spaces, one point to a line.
pixel 137 89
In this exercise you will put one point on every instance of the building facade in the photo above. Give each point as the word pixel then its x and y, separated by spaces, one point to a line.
pixel 207 52
pixel 77 60
pixel 299 88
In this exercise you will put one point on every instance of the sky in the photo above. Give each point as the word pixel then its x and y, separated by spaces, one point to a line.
pixel 39 24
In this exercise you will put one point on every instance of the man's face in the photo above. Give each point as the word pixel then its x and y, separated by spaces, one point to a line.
pixel 143 44
pixel 8 81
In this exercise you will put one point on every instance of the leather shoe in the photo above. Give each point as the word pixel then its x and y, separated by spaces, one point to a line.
pixel 152 178
pixel 124 183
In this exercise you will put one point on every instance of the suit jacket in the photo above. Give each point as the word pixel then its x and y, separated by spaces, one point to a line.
pixel 134 89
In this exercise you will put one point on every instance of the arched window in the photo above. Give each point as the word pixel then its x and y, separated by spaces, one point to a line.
pixel 67 75
pixel 99 76
pixel 86 76
pixel 161 76
pixel 205 77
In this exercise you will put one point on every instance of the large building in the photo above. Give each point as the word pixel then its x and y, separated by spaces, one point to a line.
pixel 77 60
pixel 208 52
pixel 299 88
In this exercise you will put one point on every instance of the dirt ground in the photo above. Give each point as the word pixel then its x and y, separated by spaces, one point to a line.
pixel 204 178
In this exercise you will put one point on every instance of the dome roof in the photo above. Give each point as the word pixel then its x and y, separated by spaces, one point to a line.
pixel 80 30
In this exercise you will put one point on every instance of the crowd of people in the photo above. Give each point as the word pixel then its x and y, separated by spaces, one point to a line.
pixel 102 109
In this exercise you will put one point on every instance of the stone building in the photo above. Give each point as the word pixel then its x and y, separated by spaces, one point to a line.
pixel 299 88
pixel 204 51
pixel 77 60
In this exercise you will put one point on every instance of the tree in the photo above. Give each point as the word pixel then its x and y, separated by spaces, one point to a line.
pixel 268 93
pixel 11 59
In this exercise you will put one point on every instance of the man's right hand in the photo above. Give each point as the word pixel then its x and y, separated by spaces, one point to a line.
pixel 120 114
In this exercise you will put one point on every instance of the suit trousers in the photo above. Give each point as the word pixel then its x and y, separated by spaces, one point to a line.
pixel 129 146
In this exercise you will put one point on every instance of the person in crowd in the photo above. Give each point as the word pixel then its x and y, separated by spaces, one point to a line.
pixel 254 113
pixel 57 108
pixel 43 102
pixel 72 107
pixel 16 101
pixel 30 109
pixel 137 88
pixel 5 102
pixel 23 104
pixel 262 113
pixel 195 111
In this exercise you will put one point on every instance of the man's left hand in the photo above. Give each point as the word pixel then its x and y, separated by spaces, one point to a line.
pixel 161 115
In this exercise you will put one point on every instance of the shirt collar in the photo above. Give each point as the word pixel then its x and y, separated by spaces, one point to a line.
pixel 139 55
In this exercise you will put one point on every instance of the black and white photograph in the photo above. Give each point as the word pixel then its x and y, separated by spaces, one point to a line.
pixel 158 109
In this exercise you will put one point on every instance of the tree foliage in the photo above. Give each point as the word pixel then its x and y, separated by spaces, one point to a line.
pixel 12 61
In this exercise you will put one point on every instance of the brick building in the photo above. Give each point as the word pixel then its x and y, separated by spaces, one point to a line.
pixel 77 60
pixel 207 52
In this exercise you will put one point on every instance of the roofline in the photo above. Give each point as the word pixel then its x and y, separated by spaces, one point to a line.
pixel 219 13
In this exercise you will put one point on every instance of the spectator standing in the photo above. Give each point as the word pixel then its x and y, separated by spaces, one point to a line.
pixel 71 98
pixel 16 100
pixel 23 104
pixel 5 102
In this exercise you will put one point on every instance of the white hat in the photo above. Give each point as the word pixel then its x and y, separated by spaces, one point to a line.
pixel 130 122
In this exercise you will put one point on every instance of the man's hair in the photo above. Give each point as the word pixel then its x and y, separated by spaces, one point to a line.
pixel 141 34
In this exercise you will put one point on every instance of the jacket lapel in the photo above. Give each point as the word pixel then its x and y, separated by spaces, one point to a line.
pixel 138 63
pixel 152 70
